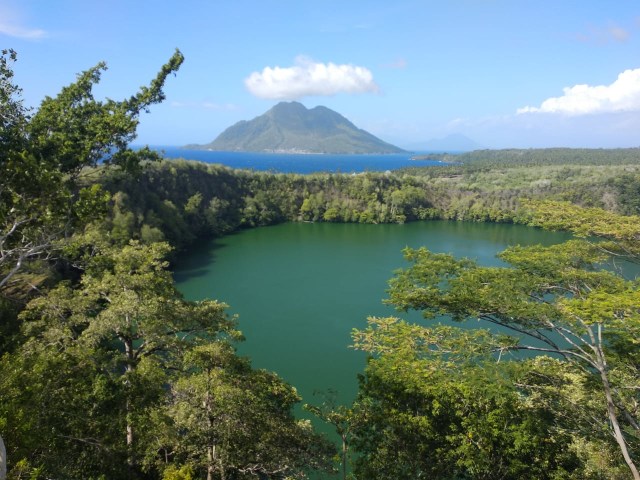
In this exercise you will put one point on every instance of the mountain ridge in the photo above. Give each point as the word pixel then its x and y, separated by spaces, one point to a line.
pixel 289 127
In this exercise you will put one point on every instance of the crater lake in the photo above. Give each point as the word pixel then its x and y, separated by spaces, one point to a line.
pixel 300 288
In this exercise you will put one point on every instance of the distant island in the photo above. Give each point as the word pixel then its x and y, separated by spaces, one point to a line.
pixel 289 127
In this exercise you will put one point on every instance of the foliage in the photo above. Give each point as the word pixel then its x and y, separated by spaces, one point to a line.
pixel 110 373
pixel 541 156
pixel 428 414
pixel 344 420
pixel 43 155
pixel 118 369
pixel 181 201
pixel 174 473
pixel 550 300
pixel 102 347
pixel 74 130
pixel 13 114
pixel 620 232
pixel 60 413
pixel 235 422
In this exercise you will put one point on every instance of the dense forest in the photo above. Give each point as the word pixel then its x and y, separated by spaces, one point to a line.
pixel 106 372
pixel 181 200
pixel 539 156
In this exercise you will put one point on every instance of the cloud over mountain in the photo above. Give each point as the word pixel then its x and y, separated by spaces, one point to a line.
pixel 622 95
pixel 309 78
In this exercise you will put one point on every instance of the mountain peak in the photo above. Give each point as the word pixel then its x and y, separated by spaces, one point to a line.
pixel 291 127
pixel 288 106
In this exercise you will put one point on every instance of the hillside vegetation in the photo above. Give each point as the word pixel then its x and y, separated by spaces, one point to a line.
pixel 181 200
pixel 541 156
pixel 107 372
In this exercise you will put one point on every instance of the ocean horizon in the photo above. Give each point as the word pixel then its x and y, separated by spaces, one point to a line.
pixel 299 162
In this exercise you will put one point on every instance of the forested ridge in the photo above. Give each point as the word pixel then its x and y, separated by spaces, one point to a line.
pixel 478 159
pixel 107 372
pixel 182 200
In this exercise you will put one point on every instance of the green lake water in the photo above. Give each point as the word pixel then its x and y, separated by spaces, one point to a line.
pixel 300 288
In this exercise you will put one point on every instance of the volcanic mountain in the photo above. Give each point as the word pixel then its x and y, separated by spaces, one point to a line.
pixel 289 127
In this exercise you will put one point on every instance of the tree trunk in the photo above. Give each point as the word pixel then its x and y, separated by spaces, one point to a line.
pixel 131 460
pixel 211 449
pixel 344 457
pixel 131 456
pixel 211 453
pixel 613 418
pixel 129 431
pixel 3 461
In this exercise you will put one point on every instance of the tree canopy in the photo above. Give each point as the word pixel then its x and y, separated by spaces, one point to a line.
pixel 43 155
pixel 555 300
pixel 526 370
pixel 105 367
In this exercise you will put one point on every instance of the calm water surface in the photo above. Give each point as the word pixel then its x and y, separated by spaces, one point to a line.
pixel 299 289
pixel 299 163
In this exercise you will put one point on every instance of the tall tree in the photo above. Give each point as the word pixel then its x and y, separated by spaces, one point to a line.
pixel 434 404
pixel 343 419
pixel 126 304
pixel 61 408
pixel 13 115
pixel 551 300
pixel 3 460
pixel 237 423
pixel 42 156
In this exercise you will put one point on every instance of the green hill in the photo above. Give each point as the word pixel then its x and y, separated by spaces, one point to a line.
pixel 292 128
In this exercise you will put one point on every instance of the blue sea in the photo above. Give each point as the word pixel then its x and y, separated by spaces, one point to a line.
pixel 299 163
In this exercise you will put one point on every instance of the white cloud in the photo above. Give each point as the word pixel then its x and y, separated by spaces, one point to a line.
pixel 618 33
pixel 307 78
pixel 623 95
pixel 603 35
pixel 20 32
pixel 11 25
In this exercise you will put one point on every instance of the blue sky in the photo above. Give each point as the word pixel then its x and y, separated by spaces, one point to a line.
pixel 506 73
